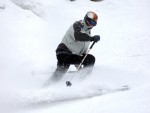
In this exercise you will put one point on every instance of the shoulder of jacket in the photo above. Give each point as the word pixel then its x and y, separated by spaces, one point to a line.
pixel 78 24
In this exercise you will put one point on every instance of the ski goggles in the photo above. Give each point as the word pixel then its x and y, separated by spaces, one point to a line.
pixel 92 22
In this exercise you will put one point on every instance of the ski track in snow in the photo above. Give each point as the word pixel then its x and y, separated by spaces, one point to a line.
pixel 60 93
pixel 82 88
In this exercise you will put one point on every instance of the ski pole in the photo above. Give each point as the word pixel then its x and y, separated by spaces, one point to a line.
pixel 68 83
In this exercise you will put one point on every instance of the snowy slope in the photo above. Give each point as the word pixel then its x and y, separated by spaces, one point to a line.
pixel 30 32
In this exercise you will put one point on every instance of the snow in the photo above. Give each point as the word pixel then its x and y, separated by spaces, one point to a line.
pixel 30 31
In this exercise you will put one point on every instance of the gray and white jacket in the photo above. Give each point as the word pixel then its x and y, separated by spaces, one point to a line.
pixel 76 40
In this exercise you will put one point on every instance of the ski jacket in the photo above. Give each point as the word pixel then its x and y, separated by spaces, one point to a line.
pixel 76 40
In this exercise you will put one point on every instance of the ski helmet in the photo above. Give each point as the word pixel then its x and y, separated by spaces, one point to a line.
pixel 91 18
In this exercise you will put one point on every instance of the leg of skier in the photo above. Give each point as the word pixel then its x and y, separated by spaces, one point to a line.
pixel 89 63
pixel 62 67
pixel 64 61
pixel 60 71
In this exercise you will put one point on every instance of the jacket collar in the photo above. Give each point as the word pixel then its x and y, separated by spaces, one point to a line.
pixel 85 26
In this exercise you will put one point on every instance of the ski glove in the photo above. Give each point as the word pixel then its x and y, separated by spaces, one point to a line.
pixel 95 38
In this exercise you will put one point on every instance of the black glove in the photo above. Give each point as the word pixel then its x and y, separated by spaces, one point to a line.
pixel 95 38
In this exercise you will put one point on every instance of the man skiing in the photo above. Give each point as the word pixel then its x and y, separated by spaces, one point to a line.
pixel 74 46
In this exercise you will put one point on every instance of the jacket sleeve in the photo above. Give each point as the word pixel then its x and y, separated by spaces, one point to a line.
pixel 79 36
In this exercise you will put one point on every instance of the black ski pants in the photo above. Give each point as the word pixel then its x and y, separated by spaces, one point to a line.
pixel 65 60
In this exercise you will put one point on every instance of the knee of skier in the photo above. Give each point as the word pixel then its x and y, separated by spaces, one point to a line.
pixel 89 61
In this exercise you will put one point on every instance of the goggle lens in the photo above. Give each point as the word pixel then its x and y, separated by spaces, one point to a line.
pixel 92 22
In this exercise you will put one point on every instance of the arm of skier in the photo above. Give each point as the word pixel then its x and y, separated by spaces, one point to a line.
pixel 79 36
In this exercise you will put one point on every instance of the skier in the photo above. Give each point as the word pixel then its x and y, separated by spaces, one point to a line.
pixel 74 45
